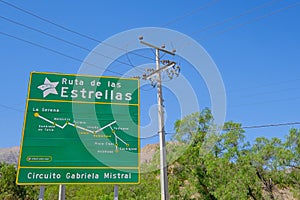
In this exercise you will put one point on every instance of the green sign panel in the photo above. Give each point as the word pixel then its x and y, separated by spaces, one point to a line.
pixel 80 129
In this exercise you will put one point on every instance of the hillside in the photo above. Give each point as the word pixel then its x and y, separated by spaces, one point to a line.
pixel 9 155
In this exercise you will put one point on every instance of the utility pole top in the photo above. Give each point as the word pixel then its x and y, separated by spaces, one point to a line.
pixel 158 48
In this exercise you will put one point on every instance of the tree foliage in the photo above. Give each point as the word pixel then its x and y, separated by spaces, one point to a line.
pixel 204 162
pixel 8 188
pixel 225 166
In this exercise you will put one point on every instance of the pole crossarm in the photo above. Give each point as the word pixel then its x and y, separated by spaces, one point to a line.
pixel 158 48
pixel 171 64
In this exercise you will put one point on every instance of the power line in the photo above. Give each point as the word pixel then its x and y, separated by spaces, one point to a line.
pixel 249 127
pixel 202 7
pixel 68 29
pixel 264 85
pixel 266 102
pixel 130 64
pixel 61 39
pixel 221 22
pixel 249 11
pixel 209 4
pixel 231 18
pixel 229 28
pixel 87 36
pixel 254 19
pixel 173 133
pixel 11 108
pixel 63 54
pixel 243 127
pixel 271 125
pixel 56 52
pixel 269 92
pixel 83 35
pixel 53 36
pixel 60 53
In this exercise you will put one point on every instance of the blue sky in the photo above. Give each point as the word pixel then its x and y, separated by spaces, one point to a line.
pixel 255 45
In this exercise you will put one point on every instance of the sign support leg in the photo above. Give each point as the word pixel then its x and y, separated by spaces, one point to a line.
pixel 116 192
pixel 42 190
pixel 62 192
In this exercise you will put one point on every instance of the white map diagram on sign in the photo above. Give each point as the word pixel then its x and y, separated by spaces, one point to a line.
pixel 109 125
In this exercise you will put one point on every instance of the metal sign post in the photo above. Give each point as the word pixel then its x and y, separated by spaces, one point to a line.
pixel 62 192
pixel 116 192
pixel 42 191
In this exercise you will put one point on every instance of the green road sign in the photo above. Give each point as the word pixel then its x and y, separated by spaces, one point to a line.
pixel 80 129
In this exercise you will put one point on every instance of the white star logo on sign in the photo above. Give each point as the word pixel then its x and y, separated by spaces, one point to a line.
pixel 48 87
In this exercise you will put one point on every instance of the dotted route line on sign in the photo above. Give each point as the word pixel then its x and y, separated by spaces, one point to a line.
pixel 85 129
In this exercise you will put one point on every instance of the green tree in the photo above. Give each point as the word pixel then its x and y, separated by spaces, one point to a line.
pixel 225 166
pixel 293 145
pixel 235 175
pixel 190 169
pixel 149 188
pixel 203 163
pixel 277 163
pixel 8 188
